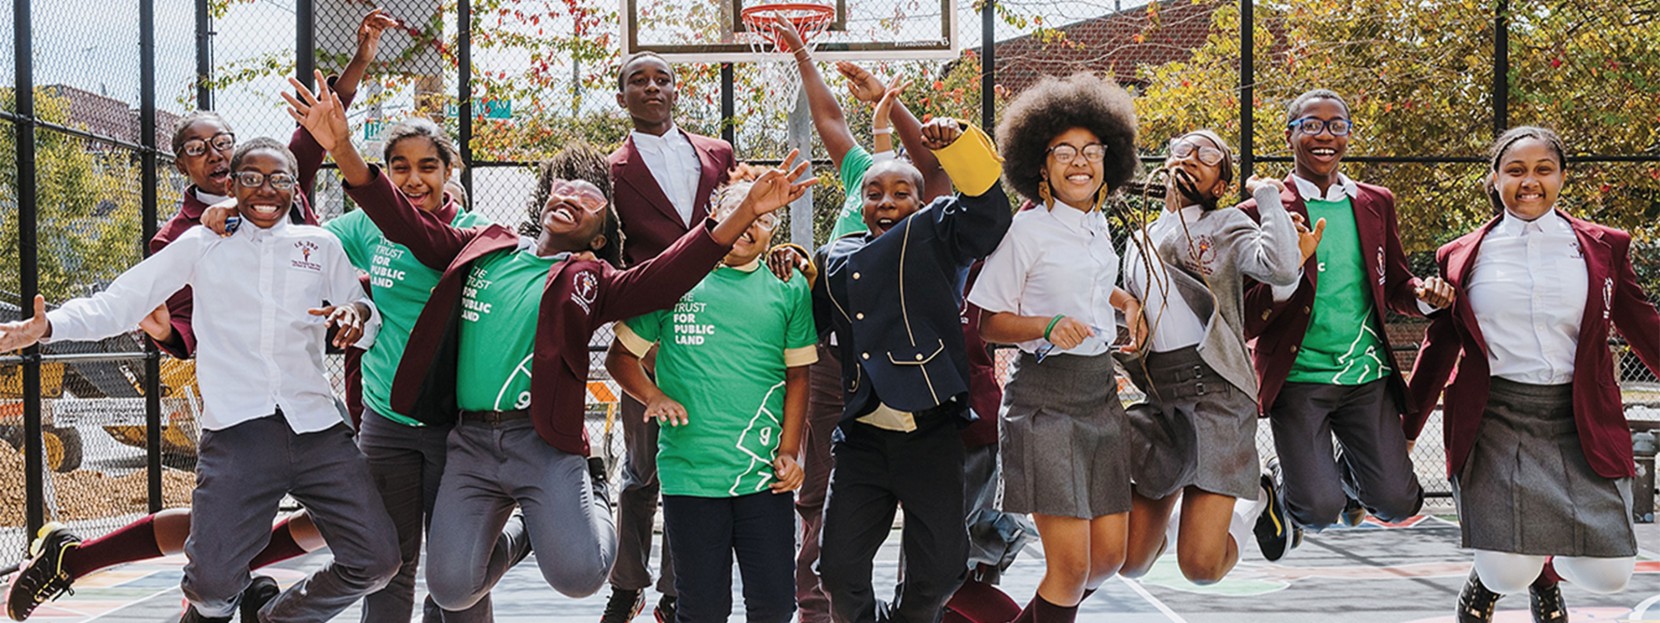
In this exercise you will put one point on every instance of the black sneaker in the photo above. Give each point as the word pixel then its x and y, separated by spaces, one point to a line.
pixel 1547 603
pixel 665 609
pixel 192 616
pixel 1353 513
pixel 259 592
pixel 42 577
pixel 1273 529
pixel 1475 602
pixel 623 605
pixel 601 479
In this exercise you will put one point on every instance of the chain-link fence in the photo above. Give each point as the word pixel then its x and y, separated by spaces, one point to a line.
pixel 1428 83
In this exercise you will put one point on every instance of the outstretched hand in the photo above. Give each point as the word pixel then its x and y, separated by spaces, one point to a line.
pixel 369 31
pixel 321 113
pixel 1307 241
pixel 864 86
pixel 25 333
pixel 775 189
pixel 347 318
pixel 941 133
pixel 789 37
pixel 884 107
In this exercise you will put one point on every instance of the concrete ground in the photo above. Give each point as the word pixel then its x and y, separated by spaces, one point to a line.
pixel 1409 572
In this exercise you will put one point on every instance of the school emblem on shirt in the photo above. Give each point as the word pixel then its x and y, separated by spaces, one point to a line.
pixel 585 290
pixel 305 248
pixel 1202 253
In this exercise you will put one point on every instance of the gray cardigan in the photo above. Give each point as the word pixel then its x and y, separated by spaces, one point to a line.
pixel 1223 247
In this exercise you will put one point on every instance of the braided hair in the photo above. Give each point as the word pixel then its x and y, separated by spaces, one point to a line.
pixel 577 162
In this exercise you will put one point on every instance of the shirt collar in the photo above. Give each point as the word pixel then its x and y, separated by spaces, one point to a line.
pixel 1073 218
pixel 1344 187
pixel 206 197
pixel 751 267
pixel 261 233
pixel 671 138
pixel 1513 225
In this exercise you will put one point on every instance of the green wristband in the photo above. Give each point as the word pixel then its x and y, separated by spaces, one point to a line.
pixel 1052 322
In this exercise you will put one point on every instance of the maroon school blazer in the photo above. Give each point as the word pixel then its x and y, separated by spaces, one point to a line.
pixel 308 155
pixel 579 297
pixel 649 222
pixel 1454 346
pixel 1279 327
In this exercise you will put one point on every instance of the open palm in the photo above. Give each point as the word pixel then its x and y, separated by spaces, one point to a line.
pixel 321 114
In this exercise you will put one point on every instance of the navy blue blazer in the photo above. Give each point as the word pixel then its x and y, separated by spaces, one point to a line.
pixel 894 303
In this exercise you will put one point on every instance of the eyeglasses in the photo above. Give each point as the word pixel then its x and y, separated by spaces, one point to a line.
pixel 222 142
pixel 1182 148
pixel 1312 126
pixel 254 179
pixel 1067 154
pixel 768 221
pixel 583 195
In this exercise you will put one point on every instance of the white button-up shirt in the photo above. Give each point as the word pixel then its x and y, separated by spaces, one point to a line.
pixel 1173 322
pixel 257 348
pixel 674 164
pixel 1527 290
pixel 1054 261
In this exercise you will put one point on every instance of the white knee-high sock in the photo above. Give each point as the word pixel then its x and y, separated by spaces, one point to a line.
pixel 1244 520
pixel 1505 573
pixel 1597 575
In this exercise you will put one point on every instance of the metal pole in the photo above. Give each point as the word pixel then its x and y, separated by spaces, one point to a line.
pixel 1247 91
pixel 464 92
pixel 305 42
pixel 204 56
pixel 801 137
pixel 988 66
pixel 1501 66
pixel 28 264
pixel 728 105
pixel 147 137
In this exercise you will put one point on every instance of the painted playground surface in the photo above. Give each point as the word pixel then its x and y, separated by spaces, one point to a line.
pixel 1401 573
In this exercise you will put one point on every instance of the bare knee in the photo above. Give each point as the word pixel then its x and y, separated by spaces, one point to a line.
pixel 1203 568
pixel 1103 566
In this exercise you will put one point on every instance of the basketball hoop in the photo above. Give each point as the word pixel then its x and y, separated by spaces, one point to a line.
pixel 778 69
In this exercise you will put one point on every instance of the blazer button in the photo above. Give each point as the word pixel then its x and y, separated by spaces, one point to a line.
pixel 919 356
pixel 1293 348
pixel 1307 310
pixel 859 316
pixel 1266 314
pixel 865 355
pixel 855 275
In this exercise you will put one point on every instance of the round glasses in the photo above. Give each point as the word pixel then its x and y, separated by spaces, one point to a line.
pixel 1066 154
pixel 1208 155
pixel 222 142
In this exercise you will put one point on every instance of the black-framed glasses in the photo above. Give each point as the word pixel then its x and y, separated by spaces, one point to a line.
pixel 1312 126
pixel 222 142
pixel 1066 154
pixel 254 179
pixel 1208 155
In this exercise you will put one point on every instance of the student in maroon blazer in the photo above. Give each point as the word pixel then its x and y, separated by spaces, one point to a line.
pixel 524 309
pixel 1538 448
pixel 1322 357
pixel 202 144
pixel 663 177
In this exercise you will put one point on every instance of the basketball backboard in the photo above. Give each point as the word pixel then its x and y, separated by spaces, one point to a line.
pixel 710 31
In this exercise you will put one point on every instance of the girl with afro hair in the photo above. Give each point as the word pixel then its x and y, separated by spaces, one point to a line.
pixel 1050 288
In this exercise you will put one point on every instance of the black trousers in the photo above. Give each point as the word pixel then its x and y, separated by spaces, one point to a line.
pixel 706 533
pixel 876 471
pixel 1367 423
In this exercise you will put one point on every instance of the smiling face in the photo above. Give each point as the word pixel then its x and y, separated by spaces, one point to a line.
pixel 415 166
pixel 891 192
pixel 211 170
pixel 1075 182
pixel 755 240
pixel 1318 155
pixel 264 205
pixel 1529 178
pixel 573 219
pixel 1207 178
pixel 649 93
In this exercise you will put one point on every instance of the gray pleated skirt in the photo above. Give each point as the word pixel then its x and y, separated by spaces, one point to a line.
pixel 1527 488
pixel 1064 439
pixel 1193 429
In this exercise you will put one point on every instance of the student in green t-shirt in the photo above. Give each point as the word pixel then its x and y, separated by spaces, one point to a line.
pixel 731 397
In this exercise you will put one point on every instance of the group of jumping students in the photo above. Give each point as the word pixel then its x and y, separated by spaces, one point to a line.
pixel 765 381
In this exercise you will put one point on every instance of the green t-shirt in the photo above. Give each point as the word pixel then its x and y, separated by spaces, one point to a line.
pixel 400 286
pixel 1342 346
pixel 722 355
pixel 852 217
pixel 500 305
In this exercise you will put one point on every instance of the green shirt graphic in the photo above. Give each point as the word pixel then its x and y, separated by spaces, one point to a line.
pixel 852 217
pixel 400 286
pixel 500 305
pixel 722 354
pixel 1342 346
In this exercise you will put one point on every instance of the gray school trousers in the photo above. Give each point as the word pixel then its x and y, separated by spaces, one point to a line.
pixel 242 474
pixel 493 466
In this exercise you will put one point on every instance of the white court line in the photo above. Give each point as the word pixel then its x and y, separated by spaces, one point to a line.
pixel 135 602
pixel 1136 586
pixel 1640 613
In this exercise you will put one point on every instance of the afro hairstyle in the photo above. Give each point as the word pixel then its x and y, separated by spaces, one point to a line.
pixel 1055 105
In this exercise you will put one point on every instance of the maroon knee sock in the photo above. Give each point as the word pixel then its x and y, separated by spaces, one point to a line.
pixel 1027 613
pixel 981 602
pixel 282 547
pixel 132 542
pixel 1051 613
pixel 1547 576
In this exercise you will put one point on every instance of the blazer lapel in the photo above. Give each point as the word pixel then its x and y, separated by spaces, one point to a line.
pixel 635 174
pixel 1369 225
pixel 1295 205
pixel 709 177
pixel 1461 263
pixel 1599 284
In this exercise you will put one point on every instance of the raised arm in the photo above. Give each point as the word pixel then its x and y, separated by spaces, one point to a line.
pixel 433 241
pixel 1266 251
pixel 307 151
pixel 119 307
pixel 976 223
pixel 905 125
pixel 828 119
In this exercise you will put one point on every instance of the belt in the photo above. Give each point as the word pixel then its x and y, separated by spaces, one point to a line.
pixel 495 417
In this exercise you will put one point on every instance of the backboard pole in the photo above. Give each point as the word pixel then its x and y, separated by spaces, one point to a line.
pixel 801 137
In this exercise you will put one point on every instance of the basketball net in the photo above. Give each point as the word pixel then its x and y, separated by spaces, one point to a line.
pixel 777 64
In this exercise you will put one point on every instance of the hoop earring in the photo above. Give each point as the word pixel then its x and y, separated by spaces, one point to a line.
pixel 1044 196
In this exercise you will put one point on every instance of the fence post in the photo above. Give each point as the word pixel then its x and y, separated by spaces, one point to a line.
pixel 305 41
pixel 1247 91
pixel 27 265
pixel 1501 66
pixel 988 67
pixel 464 90
pixel 147 138
pixel 728 106
pixel 204 56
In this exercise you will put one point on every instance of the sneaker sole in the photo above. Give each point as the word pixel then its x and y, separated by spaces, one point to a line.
pixel 1274 546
